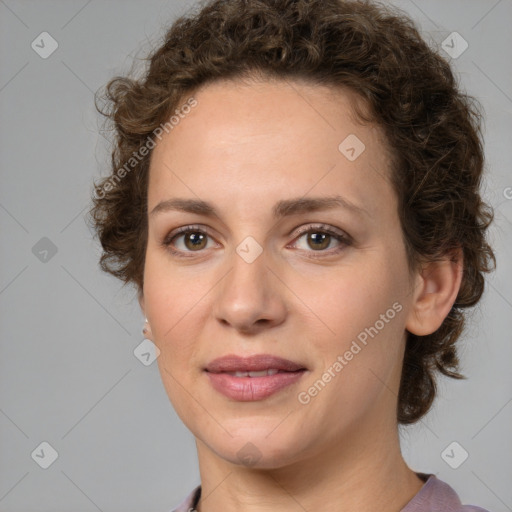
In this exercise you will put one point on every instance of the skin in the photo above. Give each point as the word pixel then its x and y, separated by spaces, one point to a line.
pixel 244 147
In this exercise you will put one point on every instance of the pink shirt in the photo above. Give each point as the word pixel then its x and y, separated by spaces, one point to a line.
pixel 434 496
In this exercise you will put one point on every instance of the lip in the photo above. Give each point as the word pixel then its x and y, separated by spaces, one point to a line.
pixel 254 363
pixel 247 389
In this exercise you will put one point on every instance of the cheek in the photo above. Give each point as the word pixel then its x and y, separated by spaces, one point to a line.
pixel 168 293
pixel 359 354
pixel 363 320
pixel 173 305
pixel 170 300
pixel 352 298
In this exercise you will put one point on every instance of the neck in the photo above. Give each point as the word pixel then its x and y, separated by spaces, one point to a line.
pixel 366 474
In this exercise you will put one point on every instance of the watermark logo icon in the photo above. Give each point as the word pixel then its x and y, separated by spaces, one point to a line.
pixel 249 249
pixel 351 147
pixel 146 352
pixel 454 45
pixel 249 454
pixel 44 45
pixel 44 455
pixel 44 250
pixel 454 455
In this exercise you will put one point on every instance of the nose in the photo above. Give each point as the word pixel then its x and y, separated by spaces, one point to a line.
pixel 250 298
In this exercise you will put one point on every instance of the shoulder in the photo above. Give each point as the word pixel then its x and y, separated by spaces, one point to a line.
pixel 437 495
pixel 190 502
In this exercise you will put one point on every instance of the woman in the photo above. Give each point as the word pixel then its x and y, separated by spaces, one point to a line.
pixel 294 193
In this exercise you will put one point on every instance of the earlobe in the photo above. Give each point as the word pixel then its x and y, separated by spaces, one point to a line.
pixel 436 290
pixel 146 330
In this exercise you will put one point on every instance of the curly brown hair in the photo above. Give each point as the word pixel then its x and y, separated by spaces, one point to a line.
pixel 433 129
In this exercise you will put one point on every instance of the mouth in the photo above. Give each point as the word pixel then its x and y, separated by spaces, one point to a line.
pixel 253 365
pixel 262 373
pixel 253 378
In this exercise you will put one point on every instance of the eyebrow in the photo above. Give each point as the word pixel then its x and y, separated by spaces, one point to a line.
pixel 283 208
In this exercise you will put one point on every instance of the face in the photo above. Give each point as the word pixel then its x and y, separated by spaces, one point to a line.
pixel 268 267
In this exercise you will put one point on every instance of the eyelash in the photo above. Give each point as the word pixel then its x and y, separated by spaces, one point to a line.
pixel 317 228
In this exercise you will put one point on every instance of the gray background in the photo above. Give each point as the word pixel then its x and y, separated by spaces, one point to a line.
pixel 68 374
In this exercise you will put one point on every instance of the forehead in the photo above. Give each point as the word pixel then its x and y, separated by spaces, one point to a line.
pixel 260 137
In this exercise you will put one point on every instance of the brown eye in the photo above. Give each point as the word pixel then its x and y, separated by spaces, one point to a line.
pixel 186 241
pixel 321 240
pixel 318 241
pixel 195 240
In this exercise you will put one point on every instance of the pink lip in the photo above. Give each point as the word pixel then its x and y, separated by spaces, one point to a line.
pixel 246 389
pixel 254 363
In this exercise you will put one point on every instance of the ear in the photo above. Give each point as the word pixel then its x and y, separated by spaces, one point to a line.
pixel 437 286
pixel 147 328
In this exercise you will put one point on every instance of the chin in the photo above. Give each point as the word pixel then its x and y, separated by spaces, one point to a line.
pixel 259 448
pixel 258 456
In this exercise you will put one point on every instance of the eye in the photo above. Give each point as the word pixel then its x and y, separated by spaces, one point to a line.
pixel 186 239
pixel 320 238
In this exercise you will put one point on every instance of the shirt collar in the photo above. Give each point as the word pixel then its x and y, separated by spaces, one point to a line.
pixel 434 495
